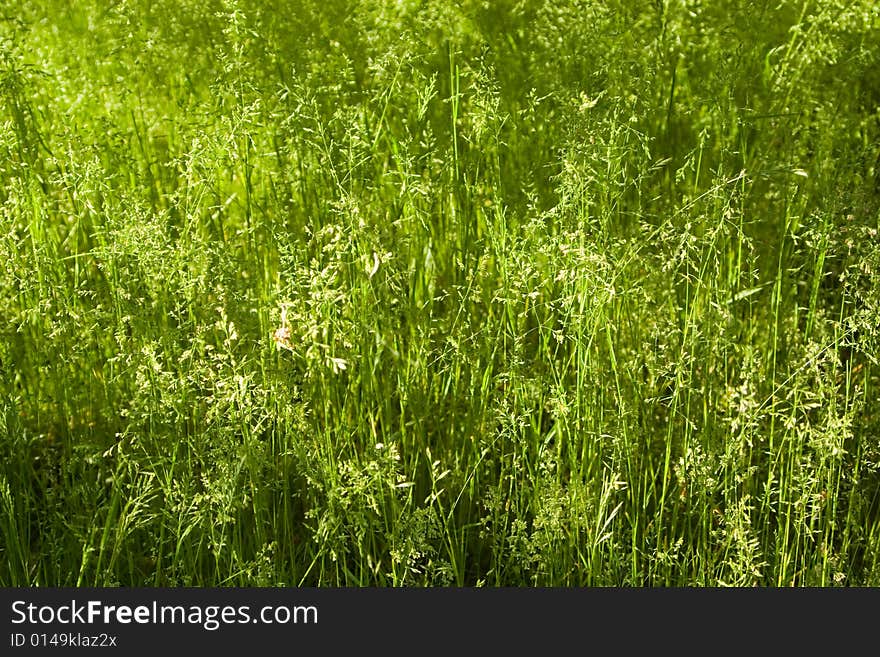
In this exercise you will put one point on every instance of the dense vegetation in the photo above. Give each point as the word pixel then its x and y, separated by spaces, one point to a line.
pixel 462 292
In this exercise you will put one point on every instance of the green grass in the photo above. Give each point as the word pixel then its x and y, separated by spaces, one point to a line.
pixel 561 293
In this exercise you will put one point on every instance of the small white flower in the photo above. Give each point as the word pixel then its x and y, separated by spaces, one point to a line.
pixel 281 337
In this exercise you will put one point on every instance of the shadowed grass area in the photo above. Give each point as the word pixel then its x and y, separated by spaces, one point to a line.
pixel 475 293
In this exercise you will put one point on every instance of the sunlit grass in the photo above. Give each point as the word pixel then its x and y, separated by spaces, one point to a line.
pixel 546 293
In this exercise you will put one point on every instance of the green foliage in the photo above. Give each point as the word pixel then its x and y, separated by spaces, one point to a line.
pixel 473 293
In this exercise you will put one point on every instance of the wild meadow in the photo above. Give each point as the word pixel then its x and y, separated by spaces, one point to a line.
pixel 472 293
